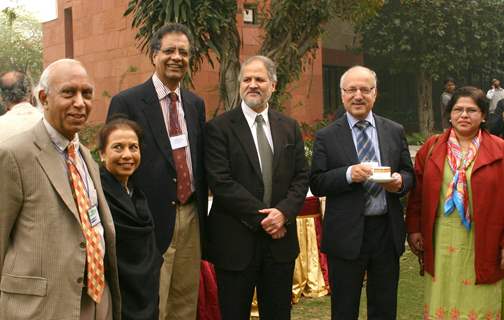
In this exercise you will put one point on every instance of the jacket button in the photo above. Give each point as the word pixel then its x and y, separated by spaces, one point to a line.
pixel 80 279
pixel 174 180
pixel 82 245
pixel 173 203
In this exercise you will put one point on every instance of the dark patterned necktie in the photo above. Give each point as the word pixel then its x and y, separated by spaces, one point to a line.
pixel 179 155
pixel 266 156
pixel 366 153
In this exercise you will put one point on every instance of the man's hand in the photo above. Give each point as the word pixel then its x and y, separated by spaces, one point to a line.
pixel 279 234
pixel 274 221
pixel 395 185
pixel 415 242
pixel 361 172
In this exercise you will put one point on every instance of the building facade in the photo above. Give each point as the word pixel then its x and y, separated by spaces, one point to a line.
pixel 96 33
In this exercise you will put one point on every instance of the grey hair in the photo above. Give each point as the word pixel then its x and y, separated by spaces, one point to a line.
pixel 17 90
pixel 371 72
pixel 267 62
pixel 43 84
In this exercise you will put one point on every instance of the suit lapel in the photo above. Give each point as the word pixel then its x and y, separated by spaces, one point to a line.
pixel 242 130
pixel 55 172
pixel 154 115
pixel 344 137
pixel 381 129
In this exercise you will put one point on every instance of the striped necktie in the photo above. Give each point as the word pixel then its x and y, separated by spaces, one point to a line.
pixel 366 153
pixel 94 252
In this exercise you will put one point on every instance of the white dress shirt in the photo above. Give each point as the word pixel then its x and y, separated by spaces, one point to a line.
pixel 250 116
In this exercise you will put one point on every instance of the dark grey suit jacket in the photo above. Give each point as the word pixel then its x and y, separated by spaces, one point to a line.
pixel 156 174
pixel 333 153
pixel 234 177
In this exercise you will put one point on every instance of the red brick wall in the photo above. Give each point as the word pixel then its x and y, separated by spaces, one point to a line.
pixel 104 42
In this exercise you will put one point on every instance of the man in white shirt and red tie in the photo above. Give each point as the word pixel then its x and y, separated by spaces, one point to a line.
pixel 171 173
pixel 57 239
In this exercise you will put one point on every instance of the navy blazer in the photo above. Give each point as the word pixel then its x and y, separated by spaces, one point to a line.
pixel 333 152
pixel 156 176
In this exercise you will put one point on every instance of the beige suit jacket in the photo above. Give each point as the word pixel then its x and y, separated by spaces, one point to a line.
pixel 42 248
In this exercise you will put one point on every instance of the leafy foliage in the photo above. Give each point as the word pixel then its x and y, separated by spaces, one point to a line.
pixel 292 29
pixel 434 38
pixel 213 27
pixel 20 42
pixel 438 37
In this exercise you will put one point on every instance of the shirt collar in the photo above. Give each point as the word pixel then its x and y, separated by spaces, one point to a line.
pixel 161 90
pixel 250 114
pixel 352 120
pixel 59 140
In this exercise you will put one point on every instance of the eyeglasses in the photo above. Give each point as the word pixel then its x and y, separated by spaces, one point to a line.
pixel 469 111
pixel 353 91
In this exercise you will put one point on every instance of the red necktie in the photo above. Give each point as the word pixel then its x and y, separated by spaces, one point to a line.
pixel 94 251
pixel 179 155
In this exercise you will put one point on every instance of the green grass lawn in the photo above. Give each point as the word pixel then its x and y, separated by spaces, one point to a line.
pixel 409 304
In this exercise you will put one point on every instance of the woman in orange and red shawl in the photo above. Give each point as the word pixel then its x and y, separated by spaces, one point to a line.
pixel 455 216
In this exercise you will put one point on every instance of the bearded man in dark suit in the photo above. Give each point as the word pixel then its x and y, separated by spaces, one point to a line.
pixel 363 223
pixel 172 173
pixel 257 172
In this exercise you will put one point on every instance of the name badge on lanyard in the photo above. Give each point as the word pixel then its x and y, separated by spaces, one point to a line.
pixel 93 216
pixel 178 142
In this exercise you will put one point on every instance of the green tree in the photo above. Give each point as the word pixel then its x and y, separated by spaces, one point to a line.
pixel 20 42
pixel 292 29
pixel 433 38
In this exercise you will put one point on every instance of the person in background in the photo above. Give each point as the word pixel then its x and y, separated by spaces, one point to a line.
pixel 138 259
pixel 449 87
pixel 495 94
pixel 16 95
pixel 364 230
pixel 496 120
pixel 454 217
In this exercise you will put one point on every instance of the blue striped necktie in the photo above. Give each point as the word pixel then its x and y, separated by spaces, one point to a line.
pixel 366 153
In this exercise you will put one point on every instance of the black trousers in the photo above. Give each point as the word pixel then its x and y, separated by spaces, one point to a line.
pixel 379 259
pixel 272 279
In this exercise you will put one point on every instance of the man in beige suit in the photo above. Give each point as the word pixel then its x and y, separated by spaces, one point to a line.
pixel 50 195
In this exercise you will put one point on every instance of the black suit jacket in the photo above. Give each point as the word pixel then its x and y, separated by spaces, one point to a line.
pixel 234 177
pixel 333 152
pixel 156 176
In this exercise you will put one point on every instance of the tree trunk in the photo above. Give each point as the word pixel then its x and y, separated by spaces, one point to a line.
pixel 425 111
pixel 228 56
pixel 228 76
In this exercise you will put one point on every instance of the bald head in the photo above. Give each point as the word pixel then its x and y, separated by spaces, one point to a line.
pixel 45 78
pixel 357 69
pixel 15 87
pixel 66 94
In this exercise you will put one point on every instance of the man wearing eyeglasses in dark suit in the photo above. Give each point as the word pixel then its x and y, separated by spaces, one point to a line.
pixel 364 228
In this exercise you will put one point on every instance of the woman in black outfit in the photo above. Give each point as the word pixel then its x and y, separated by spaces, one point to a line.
pixel 137 255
